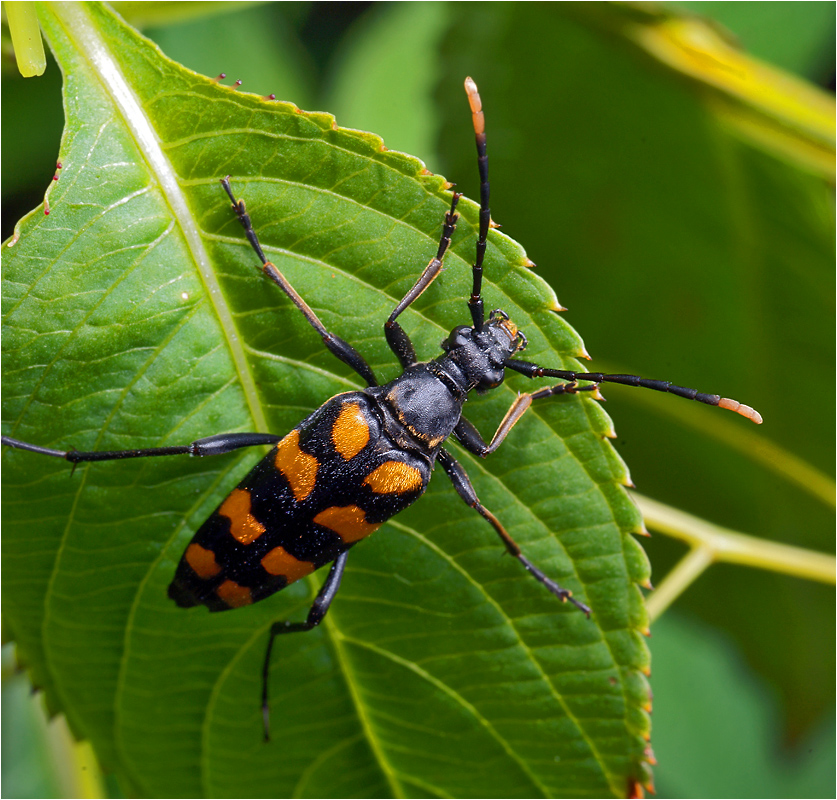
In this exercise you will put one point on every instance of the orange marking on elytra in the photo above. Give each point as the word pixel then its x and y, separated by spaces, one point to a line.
pixel 234 595
pixel 393 477
pixel 244 527
pixel 350 433
pixel 348 522
pixel 202 561
pixel 298 467
pixel 280 562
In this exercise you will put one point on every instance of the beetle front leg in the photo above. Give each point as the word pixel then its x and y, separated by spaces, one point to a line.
pixel 471 439
pixel 396 337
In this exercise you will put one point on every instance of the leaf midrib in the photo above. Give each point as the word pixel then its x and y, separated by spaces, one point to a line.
pixel 82 31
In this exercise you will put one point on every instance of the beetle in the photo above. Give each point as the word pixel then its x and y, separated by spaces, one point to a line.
pixel 364 455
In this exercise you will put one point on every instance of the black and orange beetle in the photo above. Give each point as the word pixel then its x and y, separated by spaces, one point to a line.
pixel 364 455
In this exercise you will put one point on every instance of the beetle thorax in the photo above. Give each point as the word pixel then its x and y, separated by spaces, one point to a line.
pixel 480 355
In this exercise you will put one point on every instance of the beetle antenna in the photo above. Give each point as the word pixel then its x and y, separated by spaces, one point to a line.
pixel 475 304
pixel 531 370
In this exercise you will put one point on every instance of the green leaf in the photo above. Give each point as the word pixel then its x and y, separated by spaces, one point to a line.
pixel 732 745
pixel 256 44
pixel 384 71
pixel 135 315
pixel 797 37
pixel 689 254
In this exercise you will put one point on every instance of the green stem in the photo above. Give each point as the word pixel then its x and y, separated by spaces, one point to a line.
pixel 26 38
pixel 684 573
pixel 711 543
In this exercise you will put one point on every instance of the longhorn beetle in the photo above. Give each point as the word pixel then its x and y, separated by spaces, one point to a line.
pixel 364 455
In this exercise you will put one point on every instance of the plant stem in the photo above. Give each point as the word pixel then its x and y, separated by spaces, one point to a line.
pixel 711 543
pixel 685 572
pixel 26 38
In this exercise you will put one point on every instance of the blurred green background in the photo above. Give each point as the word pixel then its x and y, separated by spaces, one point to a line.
pixel 683 249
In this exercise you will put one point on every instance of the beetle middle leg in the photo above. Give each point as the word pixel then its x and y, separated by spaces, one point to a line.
pixel 462 484
pixel 337 346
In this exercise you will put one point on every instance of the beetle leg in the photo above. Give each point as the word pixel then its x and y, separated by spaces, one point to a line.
pixel 471 439
pixel 397 339
pixel 462 484
pixel 215 445
pixel 337 346
pixel 318 610
pixel 475 304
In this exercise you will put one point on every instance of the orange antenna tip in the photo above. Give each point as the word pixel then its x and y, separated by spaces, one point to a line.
pixel 476 106
pixel 740 408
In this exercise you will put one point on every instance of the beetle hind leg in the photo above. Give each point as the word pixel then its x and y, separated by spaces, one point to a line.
pixel 318 610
